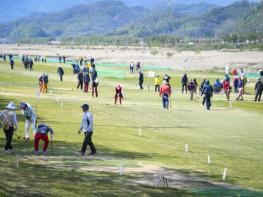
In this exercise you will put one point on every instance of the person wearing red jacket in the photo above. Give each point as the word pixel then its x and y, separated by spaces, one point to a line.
pixel 118 94
pixel 165 93
pixel 226 88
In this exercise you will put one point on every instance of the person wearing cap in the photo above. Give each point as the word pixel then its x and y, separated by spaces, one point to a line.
pixel 141 79
pixel 259 89
pixel 87 128
pixel 42 134
pixel 208 92
pixel 9 122
pixel 167 79
pixel 165 93
pixel 118 94
pixel 30 117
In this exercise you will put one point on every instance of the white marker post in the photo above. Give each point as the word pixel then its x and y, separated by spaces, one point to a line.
pixel 37 93
pixel 224 174
pixel 57 99
pixel 140 131
pixel 208 160
pixel 186 148
pixel 230 105
pixel 17 161
pixel 121 171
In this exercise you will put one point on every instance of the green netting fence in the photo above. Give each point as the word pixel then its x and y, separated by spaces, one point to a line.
pixel 253 75
pixel 111 74
pixel 144 67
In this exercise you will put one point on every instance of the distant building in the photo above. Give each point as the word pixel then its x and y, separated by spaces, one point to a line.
pixel 54 42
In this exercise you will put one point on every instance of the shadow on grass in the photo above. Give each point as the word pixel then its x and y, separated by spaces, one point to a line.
pixel 191 182
pixel 29 179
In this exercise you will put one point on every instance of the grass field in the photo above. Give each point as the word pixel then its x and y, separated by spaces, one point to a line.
pixel 127 162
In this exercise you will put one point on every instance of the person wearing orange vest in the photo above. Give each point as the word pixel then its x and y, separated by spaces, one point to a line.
pixel 165 93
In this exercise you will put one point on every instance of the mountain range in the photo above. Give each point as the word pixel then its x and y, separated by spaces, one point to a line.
pixel 116 18
pixel 14 9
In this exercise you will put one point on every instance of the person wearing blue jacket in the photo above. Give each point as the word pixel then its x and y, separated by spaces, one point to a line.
pixel 208 92
pixel 217 86
pixel 87 128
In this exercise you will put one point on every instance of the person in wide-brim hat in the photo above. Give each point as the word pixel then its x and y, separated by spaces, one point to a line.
pixel 11 106
pixel 8 117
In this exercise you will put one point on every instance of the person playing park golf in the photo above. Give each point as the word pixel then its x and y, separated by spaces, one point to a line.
pixel 87 128
pixel 184 82
pixel 226 88
pixel 196 86
pixel 60 73
pixel 191 88
pixel 86 79
pixel 131 67
pixel 42 134
pixel 141 79
pixel 165 93
pixel 12 62
pixel 167 79
pixel 240 86
pixel 259 89
pixel 80 81
pixel 157 83
pixel 118 94
pixel 9 122
pixel 30 117
pixel 208 92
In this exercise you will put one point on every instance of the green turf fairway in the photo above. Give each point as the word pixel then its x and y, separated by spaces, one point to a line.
pixel 233 138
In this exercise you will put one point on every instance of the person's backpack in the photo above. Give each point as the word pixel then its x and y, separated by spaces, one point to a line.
pixel 191 86
pixel 8 119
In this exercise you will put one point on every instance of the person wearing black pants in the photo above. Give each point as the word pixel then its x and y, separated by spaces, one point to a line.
pixel 80 80
pixel 8 117
pixel 9 136
pixel 141 79
pixel 208 92
pixel 259 89
pixel 184 82
pixel 87 127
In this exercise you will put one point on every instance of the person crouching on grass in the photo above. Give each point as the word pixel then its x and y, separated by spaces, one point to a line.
pixel 42 134
pixel 87 128
pixel 118 94
pixel 165 93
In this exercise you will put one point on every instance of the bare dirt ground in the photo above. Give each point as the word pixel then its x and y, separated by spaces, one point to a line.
pixel 179 60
